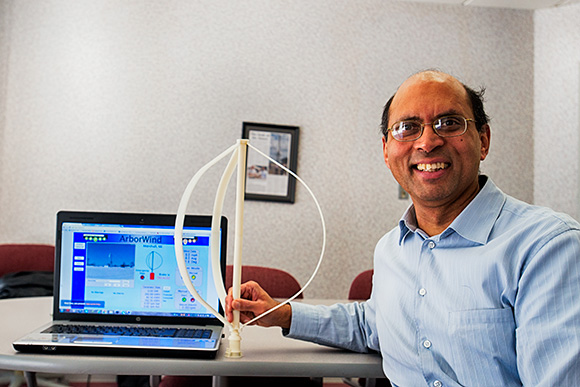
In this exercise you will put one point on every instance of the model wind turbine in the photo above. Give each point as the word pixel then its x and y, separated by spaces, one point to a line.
pixel 239 152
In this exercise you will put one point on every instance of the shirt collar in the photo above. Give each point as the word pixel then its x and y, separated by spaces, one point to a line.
pixel 474 222
pixel 408 223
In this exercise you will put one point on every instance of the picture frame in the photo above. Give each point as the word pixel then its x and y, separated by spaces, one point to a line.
pixel 264 179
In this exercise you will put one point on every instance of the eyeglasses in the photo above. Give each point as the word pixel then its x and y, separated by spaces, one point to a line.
pixel 447 126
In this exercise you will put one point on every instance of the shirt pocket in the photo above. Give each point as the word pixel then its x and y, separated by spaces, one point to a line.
pixel 483 347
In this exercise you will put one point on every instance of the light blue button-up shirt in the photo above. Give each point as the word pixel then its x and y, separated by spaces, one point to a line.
pixel 494 300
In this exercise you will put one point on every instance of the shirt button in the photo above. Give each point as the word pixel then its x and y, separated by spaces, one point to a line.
pixel 437 383
pixel 427 344
pixel 431 245
pixel 422 292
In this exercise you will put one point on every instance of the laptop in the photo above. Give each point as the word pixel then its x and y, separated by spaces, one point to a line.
pixel 118 290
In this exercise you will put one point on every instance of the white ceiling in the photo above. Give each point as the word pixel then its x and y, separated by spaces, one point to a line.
pixel 516 4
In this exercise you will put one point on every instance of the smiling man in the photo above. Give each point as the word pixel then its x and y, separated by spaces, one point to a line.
pixel 473 287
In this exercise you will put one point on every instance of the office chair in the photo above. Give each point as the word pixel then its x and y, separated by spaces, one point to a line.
pixel 26 257
pixel 16 258
pixel 278 284
pixel 361 286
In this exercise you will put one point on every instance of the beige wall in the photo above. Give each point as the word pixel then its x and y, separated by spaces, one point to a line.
pixel 557 108
pixel 114 105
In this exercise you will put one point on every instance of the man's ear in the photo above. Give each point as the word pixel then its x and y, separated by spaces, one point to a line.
pixel 485 138
pixel 385 153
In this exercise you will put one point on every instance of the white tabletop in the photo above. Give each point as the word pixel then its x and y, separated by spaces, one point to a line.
pixel 265 353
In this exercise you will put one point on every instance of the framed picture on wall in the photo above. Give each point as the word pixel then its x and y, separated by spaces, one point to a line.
pixel 266 180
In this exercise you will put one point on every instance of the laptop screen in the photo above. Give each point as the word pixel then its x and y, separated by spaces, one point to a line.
pixel 123 265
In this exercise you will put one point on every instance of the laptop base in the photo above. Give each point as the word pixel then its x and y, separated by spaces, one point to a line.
pixel 105 351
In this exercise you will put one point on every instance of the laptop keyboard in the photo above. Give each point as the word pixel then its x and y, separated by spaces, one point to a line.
pixel 186 333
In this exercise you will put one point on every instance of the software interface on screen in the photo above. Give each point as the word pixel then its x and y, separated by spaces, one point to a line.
pixel 116 269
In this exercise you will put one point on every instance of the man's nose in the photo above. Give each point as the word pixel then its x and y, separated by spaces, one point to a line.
pixel 429 140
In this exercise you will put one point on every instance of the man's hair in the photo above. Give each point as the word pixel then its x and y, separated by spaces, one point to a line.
pixel 475 98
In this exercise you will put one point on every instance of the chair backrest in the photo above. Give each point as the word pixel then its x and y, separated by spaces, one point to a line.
pixel 361 286
pixel 278 283
pixel 26 257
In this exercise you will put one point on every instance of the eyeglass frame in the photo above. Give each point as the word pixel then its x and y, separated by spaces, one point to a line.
pixel 466 120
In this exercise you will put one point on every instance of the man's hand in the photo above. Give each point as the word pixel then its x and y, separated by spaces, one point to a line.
pixel 255 301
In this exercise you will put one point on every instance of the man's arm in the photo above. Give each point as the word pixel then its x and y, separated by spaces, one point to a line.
pixel 349 326
pixel 547 314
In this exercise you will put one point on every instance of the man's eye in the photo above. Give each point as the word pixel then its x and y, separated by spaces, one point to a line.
pixel 449 122
pixel 407 126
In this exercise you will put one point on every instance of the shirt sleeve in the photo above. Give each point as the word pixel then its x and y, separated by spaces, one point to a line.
pixel 547 314
pixel 350 326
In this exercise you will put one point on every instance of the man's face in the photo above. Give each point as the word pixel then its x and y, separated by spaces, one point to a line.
pixel 435 171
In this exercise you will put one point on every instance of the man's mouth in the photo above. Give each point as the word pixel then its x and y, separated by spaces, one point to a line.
pixel 431 167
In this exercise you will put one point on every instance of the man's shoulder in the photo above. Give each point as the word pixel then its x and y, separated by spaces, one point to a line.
pixel 529 215
pixel 391 237
pixel 534 226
